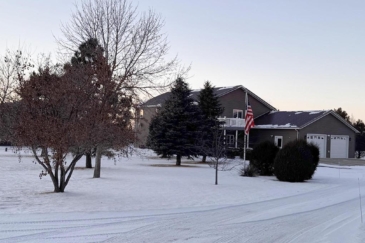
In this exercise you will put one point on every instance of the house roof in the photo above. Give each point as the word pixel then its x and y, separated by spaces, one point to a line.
pixel 219 91
pixel 295 119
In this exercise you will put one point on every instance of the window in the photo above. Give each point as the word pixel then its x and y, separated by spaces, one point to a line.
pixel 141 113
pixel 279 141
pixel 230 139
pixel 237 113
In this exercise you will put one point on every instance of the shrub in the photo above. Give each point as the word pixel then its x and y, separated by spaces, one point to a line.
pixel 262 157
pixel 294 162
pixel 248 171
pixel 315 153
pixel 231 153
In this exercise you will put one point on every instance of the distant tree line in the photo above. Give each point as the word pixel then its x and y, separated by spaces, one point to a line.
pixel 360 126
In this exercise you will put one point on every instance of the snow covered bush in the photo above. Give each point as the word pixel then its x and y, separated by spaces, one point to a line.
pixel 294 162
pixel 262 157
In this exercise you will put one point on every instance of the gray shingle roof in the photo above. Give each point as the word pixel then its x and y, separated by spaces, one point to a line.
pixel 219 91
pixel 294 119
pixel 287 119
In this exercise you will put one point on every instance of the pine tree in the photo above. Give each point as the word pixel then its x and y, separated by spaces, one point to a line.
pixel 211 108
pixel 178 125
pixel 342 113
pixel 88 53
pixel 360 138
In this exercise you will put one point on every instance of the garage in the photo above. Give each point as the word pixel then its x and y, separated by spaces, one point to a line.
pixel 339 146
pixel 334 136
pixel 320 141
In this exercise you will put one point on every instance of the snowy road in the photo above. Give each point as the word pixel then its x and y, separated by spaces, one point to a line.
pixel 317 216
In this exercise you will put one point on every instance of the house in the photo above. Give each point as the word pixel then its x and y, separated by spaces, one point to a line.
pixel 334 136
pixel 232 99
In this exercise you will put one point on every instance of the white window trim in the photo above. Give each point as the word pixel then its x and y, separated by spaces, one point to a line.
pixel 230 139
pixel 276 138
pixel 238 111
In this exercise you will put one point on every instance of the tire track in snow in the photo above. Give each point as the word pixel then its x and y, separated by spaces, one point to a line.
pixel 278 220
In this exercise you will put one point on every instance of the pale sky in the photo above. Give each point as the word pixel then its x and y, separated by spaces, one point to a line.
pixel 296 55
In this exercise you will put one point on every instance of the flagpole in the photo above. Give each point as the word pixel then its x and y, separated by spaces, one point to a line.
pixel 244 133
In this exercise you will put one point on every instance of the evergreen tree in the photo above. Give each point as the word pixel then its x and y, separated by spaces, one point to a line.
pixel 360 138
pixel 88 53
pixel 342 113
pixel 176 131
pixel 156 136
pixel 211 108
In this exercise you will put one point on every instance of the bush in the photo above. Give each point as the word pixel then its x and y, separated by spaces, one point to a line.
pixel 248 171
pixel 248 153
pixel 294 162
pixel 231 153
pixel 262 157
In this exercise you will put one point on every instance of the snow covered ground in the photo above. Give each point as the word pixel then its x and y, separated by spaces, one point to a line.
pixel 144 199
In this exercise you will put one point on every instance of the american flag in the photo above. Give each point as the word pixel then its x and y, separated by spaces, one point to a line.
pixel 249 123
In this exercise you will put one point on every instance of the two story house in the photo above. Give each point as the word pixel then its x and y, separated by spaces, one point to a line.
pixel 334 136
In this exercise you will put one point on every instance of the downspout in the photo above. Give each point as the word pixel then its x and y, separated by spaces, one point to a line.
pixel 297 133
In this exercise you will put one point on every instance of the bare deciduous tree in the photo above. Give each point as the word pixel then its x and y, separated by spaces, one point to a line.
pixel 134 45
pixel 11 63
pixel 69 109
pixel 216 149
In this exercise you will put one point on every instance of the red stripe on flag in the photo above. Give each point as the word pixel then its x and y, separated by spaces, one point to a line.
pixel 249 123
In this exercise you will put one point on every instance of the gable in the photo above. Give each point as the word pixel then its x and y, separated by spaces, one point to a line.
pixel 329 124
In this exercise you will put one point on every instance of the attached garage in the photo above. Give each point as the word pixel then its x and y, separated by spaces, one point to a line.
pixel 339 146
pixel 321 141
pixel 333 135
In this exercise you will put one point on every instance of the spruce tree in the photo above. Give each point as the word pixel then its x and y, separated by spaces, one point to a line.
pixel 211 108
pixel 180 119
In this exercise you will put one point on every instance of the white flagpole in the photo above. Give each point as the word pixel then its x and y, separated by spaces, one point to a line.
pixel 244 134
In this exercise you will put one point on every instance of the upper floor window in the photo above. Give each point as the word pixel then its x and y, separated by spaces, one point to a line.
pixel 237 113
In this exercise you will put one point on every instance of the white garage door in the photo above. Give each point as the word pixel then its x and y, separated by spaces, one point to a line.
pixel 339 146
pixel 320 140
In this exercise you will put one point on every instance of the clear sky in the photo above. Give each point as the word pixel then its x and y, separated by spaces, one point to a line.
pixel 297 55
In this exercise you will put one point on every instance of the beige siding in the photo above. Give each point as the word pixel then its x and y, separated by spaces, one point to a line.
pixel 143 123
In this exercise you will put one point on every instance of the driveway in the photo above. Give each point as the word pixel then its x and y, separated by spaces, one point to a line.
pixel 342 162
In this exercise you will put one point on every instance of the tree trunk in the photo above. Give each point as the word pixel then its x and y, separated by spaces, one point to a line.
pixel 97 162
pixel 88 160
pixel 204 159
pixel 178 160
pixel 44 152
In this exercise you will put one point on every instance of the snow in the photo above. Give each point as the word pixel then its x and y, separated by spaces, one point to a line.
pixel 227 87
pixel 288 125
pixel 147 199
pixel 314 112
